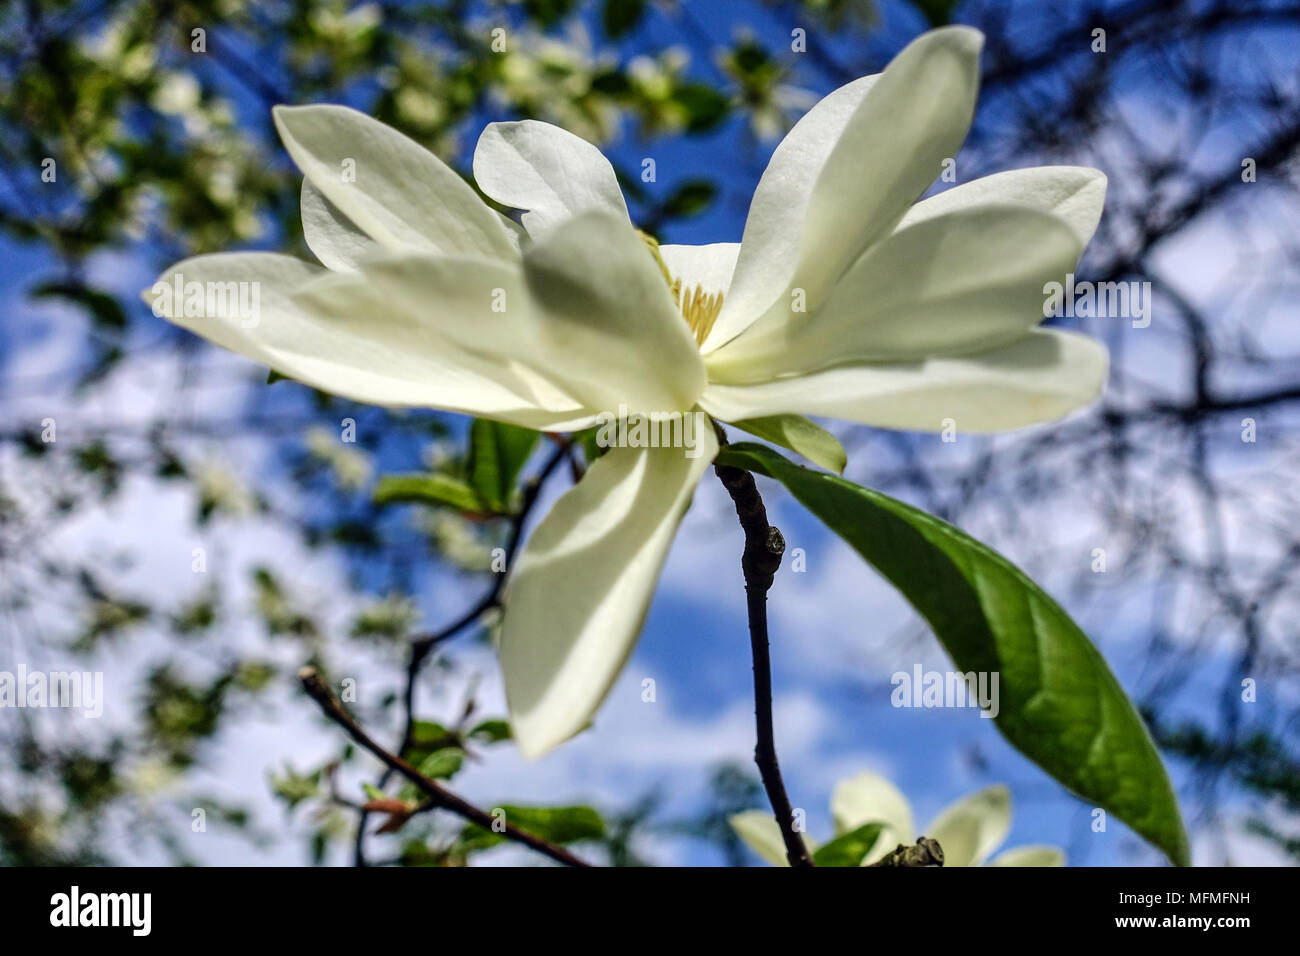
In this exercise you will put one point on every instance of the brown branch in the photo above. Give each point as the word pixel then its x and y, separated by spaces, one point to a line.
pixel 439 795
pixel 762 556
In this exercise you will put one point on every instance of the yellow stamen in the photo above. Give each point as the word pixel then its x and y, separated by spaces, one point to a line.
pixel 652 244
pixel 698 308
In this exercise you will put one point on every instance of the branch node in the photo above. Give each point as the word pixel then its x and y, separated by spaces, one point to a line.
pixel 925 852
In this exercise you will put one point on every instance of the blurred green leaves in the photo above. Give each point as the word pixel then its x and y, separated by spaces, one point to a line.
pixel 619 17
pixel 561 825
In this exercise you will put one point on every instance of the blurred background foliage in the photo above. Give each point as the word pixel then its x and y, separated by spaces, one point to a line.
pixel 157 117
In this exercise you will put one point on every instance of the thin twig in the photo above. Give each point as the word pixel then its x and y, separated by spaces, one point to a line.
pixel 762 556
pixel 441 797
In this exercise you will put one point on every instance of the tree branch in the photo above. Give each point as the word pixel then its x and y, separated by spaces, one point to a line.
pixel 762 556
pixel 439 795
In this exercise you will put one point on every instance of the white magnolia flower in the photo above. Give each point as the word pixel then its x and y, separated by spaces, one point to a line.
pixel 842 299
pixel 967 831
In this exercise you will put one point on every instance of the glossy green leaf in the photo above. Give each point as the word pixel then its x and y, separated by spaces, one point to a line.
pixel 497 453
pixel 848 849
pixel 1059 704
pixel 800 435
pixel 428 489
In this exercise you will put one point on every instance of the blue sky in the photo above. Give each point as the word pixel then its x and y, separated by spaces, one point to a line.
pixel 838 630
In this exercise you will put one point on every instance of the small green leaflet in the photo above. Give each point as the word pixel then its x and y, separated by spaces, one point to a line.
pixel 442 764
pixel 1059 703
pixel 800 435
pixel 497 453
pixel 428 489
pixel 848 849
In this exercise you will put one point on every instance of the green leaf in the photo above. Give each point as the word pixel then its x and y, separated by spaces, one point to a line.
pixel 705 106
pixel 491 731
pixel 555 824
pixel 548 12
pixel 1059 704
pixel 428 489
pixel 497 453
pixel 689 198
pixel 938 12
pixel 620 16
pixel 372 792
pixel 104 310
pixel 586 439
pixel 799 435
pixel 428 737
pixel 442 764
pixel 848 849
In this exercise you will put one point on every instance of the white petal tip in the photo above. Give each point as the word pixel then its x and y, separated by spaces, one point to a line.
pixel 532 744
pixel 964 38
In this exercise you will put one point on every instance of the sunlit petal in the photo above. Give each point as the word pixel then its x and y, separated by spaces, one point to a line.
pixel 583 585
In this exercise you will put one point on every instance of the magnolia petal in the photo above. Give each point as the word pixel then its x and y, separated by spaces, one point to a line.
pixel 1076 194
pixel 707 267
pixel 221 318
pixel 973 827
pixel 762 834
pixel 608 310
pixel 870 798
pixel 402 196
pixel 548 171
pixel 816 209
pixel 773 235
pixel 436 331
pixel 965 282
pixel 331 236
pixel 1043 376
pixel 583 585
pixel 1033 855
pixel 357 335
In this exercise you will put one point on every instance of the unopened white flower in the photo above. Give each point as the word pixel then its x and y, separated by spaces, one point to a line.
pixel 842 299
pixel 967 830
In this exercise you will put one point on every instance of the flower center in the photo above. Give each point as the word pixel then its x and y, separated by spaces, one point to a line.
pixel 698 308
